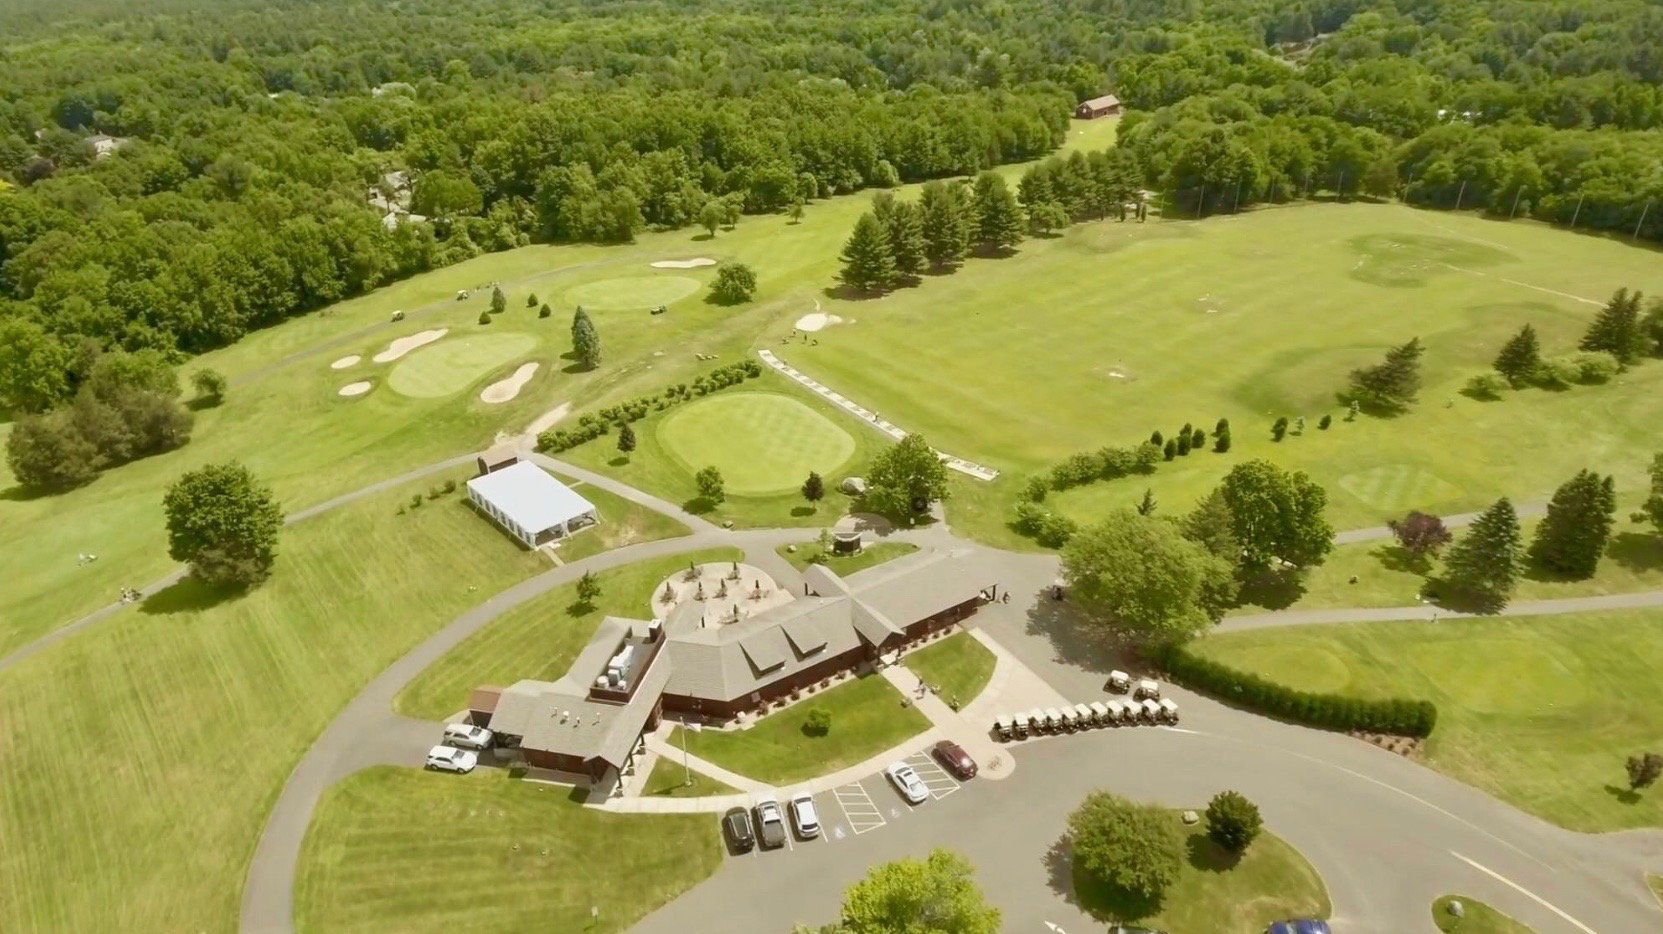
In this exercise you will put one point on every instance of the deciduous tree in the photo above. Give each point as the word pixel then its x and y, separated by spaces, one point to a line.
pixel 735 283
pixel 710 484
pixel 210 385
pixel 588 589
pixel 934 895
pixel 499 301
pixel 1278 515
pixel 1644 769
pixel 814 488
pixel 224 524
pixel 34 367
pixel 626 437
pixel 1140 578
pixel 1233 821
pixel 906 478
pixel 1420 533
pixel 1135 848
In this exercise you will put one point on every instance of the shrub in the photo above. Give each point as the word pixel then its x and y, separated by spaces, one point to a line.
pixel 1399 717
pixel 1198 439
pixel 1324 422
pixel 1558 373
pixel 1055 530
pixel 1221 438
pixel 1487 386
pixel 1157 440
pixel 1592 366
pixel 818 722
pixel 1035 490
pixel 1279 430
pixel 1233 821
pixel 1077 470
pixel 484 317
pixel 1170 450
pixel 1184 444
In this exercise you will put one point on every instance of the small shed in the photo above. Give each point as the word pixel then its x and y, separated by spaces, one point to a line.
pixel 846 543
pixel 1105 106
pixel 531 505
pixel 495 459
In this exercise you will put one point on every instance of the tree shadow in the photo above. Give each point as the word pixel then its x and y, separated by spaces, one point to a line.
pixel 18 493
pixel 1446 595
pixel 1399 558
pixel 1623 795
pixel 575 367
pixel 703 237
pixel 201 403
pixel 800 511
pixel 1109 903
pixel 188 595
pixel 849 293
pixel 1073 640
pixel 1207 856
pixel 1636 551
pixel 994 252
pixel 1271 589
pixel 699 505
pixel 619 461
pixel 1059 868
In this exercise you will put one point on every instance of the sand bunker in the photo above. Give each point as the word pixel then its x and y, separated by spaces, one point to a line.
pixel 345 362
pixel 356 389
pixel 694 263
pixel 404 345
pixel 505 389
pixel 817 321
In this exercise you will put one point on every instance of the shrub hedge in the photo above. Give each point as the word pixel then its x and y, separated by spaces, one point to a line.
pixel 1399 717
pixel 591 425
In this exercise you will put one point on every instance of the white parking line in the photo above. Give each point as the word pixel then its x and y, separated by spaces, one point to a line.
pixel 937 780
pixel 1523 891
pixel 858 808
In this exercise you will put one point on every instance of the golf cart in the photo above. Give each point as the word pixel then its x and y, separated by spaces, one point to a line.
pixel 1083 716
pixel 1118 712
pixel 1100 714
pixel 1003 727
pixel 1021 725
pixel 1119 682
pixel 1150 710
pixel 1147 688
pixel 1053 720
pixel 1169 710
pixel 1041 723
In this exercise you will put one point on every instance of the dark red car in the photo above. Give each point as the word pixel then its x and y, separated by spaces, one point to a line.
pixel 955 759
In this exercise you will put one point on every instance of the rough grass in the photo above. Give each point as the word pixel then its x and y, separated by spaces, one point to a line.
pixel 958 667
pixel 669 780
pixel 1217 892
pixel 1477 918
pixel 395 849
pixel 631 292
pixel 623 522
pixel 452 363
pixel 867 717
pixel 870 556
pixel 140 759
pixel 539 638
pixel 763 443
pixel 1541 712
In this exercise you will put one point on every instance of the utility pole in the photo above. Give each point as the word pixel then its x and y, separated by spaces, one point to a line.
pixel 1342 186
pixel 1235 206
pixel 1201 203
pixel 1640 222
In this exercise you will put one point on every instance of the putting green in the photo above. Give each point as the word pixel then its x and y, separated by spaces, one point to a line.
pixel 631 292
pixel 762 442
pixel 449 366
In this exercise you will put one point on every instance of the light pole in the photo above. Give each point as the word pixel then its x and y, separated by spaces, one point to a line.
pixel 686 766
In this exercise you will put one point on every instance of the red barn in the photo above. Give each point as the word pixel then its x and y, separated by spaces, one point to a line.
pixel 1098 107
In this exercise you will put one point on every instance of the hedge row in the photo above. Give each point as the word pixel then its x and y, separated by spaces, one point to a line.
pixel 592 425
pixel 1110 463
pixel 1328 711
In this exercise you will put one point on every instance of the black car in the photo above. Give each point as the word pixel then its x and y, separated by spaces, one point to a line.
pixel 736 826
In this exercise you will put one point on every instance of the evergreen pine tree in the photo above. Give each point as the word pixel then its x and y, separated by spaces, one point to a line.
pixel 626 437
pixel 1170 450
pixel 1157 439
pixel 499 301
pixel 1221 439
pixel 868 263
pixel 904 226
pixel 586 342
pixel 531 300
pixel 1146 506
pixel 1393 383
pixel 814 488
pixel 1573 536
pixel 944 224
pixel 1616 329
pixel 1520 357
pixel 1485 562
pixel 1198 439
pixel 545 311
pixel 998 217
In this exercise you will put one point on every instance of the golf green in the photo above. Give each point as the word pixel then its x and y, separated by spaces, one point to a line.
pixel 762 442
pixel 632 292
pixel 451 365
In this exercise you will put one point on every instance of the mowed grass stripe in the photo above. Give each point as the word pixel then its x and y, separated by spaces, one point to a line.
pixel 762 442
pixel 140 764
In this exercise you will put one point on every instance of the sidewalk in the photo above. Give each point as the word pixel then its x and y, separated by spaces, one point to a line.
pixel 993 761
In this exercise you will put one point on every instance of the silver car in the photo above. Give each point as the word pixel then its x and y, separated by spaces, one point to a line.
pixel 907 782
pixel 804 817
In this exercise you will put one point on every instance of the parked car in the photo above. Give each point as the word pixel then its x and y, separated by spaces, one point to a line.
pixel 451 759
pixel 770 824
pixel 467 736
pixel 736 826
pixel 953 757
pixel 803 817
pixel 1119 682
pixel 907 782
pixel 1302 926
pixel 1124 929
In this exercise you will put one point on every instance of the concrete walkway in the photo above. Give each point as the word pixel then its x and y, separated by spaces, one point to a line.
pixel 995 763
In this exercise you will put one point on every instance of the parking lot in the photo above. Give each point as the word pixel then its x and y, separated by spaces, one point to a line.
pixel 866 805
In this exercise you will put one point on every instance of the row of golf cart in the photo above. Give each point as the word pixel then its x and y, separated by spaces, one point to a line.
pixel 1145 705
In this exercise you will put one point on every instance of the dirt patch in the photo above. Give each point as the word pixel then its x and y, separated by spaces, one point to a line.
pixel 693 263
pixel 549 419
pixel 504 390
pixel 356 389
pixel 817 321
pixel 404 345
pixel 344 362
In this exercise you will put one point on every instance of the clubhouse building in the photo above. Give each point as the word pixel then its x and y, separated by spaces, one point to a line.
pixel 700 666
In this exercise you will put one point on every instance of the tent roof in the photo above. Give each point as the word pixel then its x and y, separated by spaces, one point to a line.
pixel 530 497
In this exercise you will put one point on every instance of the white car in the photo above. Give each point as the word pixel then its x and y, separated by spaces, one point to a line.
pixel 451 759
pixel 804 817
pixel 907 782
pixel 467 736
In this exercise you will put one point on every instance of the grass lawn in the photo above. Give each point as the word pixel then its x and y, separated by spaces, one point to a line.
pixel 1387 576
pixel 867 717
pixel 668 780
pixel 1216 892
pixel 958 667
pixel 623 522
pixel 670 449
pixel 141 758
pixel 1477 918
pixel 870 556
pixel 1541 712
pixel 395 849
pixel 539 638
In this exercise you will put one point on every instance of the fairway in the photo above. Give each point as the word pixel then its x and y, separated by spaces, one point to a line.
pixel 395 849
pixel 762 442
pixel 630 292
pixel 1539 712
pixel 450 365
